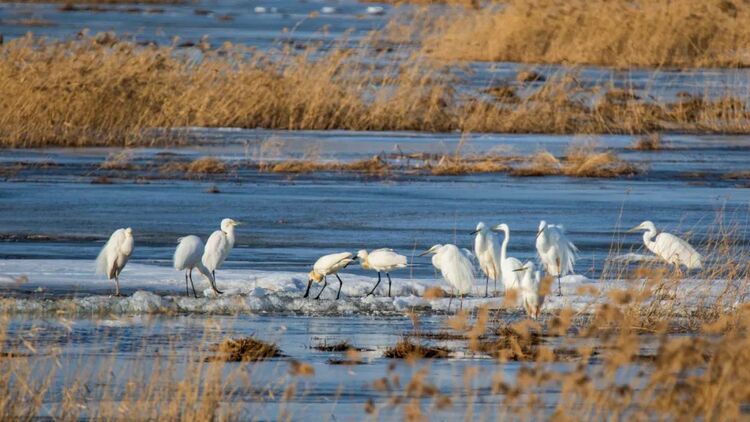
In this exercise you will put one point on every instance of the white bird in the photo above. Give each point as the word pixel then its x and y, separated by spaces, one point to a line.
pixel 556 252
pixel 669 247
pixel 508 265
pixel 218 246
pixel 114 255
pixel 531 298
pixel 455 267
pixel 381 260
pixel 187 256
pixel 487 251
pixel 328 265
pixel 375 10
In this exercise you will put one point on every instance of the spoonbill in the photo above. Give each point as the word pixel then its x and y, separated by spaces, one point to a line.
pixel 556 252
pixel 188 256
pixel 381 260
pixel 114 255
pixel 487 251
pixel 508 265
pixel 218 246
pixel 455 267
pixel 328 265
pixel 531 298
pixel 669 247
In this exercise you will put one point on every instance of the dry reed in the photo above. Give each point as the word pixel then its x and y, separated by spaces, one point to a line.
pixel 621 33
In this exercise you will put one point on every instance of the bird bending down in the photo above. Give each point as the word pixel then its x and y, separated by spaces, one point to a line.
pixel 381 260
pixel 218 246
pixel 508 265
pixel 669 247
pixel 455 267
pixel 114 255
pixel 328 265
pixel 531 298
pixel 556 252
pixel 188 256
pixel 487 251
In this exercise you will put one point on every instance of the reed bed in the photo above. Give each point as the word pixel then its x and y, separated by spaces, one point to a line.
pixel 100 90
pixel 619 33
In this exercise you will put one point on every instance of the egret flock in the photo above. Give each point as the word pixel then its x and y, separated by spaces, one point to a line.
pixel 556 253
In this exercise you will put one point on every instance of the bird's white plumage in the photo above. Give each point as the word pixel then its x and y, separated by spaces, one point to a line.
pixel 219 244
pixel 188 255
pixel 332 263
pixel 531 298
pixel 383 259
pixel 115 253
pixel 508 265
pixel 556 252
pixel 669 247
pixel 454 266
pixel 487 251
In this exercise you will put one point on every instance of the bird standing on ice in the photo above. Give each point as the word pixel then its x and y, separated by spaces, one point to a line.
pixel 669 247
pixel 455 267
pixel 508 264
pixel 114 255
pixel 187 256
pixel 218 246
pixel 487 251
pixel 531 298
pixel 328 265
pixel 381 260
pixel 557 253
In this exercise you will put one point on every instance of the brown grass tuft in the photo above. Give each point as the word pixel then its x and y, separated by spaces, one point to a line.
pixel 246 349
pixel 406 349
pixel 583 161
pixel 650 142
pixel 341 346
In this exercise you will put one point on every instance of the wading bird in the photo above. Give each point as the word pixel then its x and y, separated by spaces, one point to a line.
pixel 487 251
pixel 508 265
pixel 328 265
pixel 218 246
pixel 556 252
pixel 114 255
pixel 455 267
pixel 531 298
pixel 669 247
pixel 381 260
pixel 187 256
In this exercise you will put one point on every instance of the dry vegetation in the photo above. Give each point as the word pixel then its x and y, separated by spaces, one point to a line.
pixel 103 91
pixel 246 349
pixel 408 349
pixel 621 33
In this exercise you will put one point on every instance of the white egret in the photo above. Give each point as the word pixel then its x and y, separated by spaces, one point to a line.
pixel 188 256
pixel 114 255
pixel 556 252
pixel 455 267
pixel 508 265
pixel 381 260
pixel 328 265
pixel 531 298
pixel 669 247
pixel 487 251
pixel 218 246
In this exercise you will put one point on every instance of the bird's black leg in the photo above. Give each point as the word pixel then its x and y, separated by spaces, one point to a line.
pixel 559 286
pixel 389 284
pixel 341 284
pixel 325 283
pixel 376 285
pixel 187 291
pixel 461 304
pixel 117 285
pixel 487 287
pixel 307 292
pixel 213 283
pixel 191 284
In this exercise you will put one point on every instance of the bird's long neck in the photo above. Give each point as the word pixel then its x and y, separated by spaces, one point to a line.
pixel 648 237
pixel 230 236
pixel 504 247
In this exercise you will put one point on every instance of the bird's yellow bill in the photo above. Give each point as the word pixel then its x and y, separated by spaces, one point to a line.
pixel 520 269
pixel 633 230
pixel 424 253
